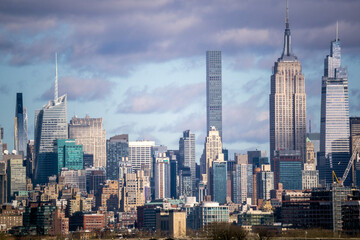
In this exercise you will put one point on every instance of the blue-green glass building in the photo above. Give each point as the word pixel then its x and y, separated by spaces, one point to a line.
pixel 219 182
pixel 69 155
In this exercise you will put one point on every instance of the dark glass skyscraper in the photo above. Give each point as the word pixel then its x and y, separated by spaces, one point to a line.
pixel 117 148
pixel 335 127
pixel 20 126
pixel 213 91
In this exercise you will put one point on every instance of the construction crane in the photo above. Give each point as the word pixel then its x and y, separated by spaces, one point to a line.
pixel 353 156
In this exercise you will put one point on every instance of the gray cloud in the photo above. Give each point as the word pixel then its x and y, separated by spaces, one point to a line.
pixel 170 98
pixel 115 36
pixel 81 89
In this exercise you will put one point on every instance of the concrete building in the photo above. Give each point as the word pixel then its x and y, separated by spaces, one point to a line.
pixel 140 155
pixel 3 183
pixel 310 176
pixel 117 148
pixel 10 217
pixel 60 224
pixel 16 175
pixel 87 222
pixel 334 125
pixel 108 196
pixel 90 133
pixel 171 223
pixel 213 91
pixel 133 191
pixel 187 156
pixel 69 155
pixel 239 183
pixel 74 179
pixel 212 152
pixel 162 176
pixel 265 182
pixel 287 102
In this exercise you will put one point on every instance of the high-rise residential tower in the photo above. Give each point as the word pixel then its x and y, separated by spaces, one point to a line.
pixel 50 124
pixel 117 148
pixel 287 102
pixel 140 155
pixel 187 155
pixel 213 91
pixel 20 126
pixel 90 133
pixel 334 126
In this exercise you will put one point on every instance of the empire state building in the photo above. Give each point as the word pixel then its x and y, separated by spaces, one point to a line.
pixel 287 102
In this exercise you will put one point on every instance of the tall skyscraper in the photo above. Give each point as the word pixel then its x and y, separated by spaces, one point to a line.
pixel 162 176
pixel 213 91
pixel 212 152
pixel 287 102
pixel 187 155
pixel 50 124
pixel 239 182
pixel 117 148
pixel 334 125
pixel 20 126
pixel 90 133
pixel 219 182
pixel 265 182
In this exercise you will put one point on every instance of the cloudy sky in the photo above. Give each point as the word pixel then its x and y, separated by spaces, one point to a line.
pixel 141 64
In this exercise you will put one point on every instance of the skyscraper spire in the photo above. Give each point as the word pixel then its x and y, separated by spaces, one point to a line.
pixel 337 31
pixel 287 54
pixel 56 80
pixel 287 14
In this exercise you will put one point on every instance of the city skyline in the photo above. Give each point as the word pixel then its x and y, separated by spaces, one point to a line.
pixel 175 90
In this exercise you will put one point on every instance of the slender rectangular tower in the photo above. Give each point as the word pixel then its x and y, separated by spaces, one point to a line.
pixel 287 102
pixel 213 91
pixel 187 155
pixel 20 126
pixel 335 126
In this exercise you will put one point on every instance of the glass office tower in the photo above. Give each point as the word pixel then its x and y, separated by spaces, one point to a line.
pixel 335 126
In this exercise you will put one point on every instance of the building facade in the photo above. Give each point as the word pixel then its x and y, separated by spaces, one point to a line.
pixel 50 125
pixel 140 155
pixel 213 91
pixel 162 176
pixel 117 148
pixel 90 133
pixel 20 126
pixel 219 182
pixel 287 167
pixel 334 125
pixel 187 155
pixel 287 102
pixel 69 155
